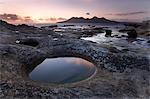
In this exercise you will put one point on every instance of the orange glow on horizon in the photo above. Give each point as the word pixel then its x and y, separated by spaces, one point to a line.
pixel 51 11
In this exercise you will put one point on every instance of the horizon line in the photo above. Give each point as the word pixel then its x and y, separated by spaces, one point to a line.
pixel 117 20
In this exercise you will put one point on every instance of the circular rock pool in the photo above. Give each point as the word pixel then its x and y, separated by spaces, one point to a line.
pixel 62 70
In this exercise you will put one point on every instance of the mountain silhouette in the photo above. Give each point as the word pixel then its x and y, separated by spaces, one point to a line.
pixel 91 20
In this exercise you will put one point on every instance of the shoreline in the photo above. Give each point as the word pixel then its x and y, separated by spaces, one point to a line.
pixel 118 74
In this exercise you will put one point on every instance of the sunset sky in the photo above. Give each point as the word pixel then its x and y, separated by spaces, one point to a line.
pixel 50 11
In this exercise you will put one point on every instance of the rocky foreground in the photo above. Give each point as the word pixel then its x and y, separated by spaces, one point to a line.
pixel 119 75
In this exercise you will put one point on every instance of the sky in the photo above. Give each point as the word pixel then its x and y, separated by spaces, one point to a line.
pixel 51 11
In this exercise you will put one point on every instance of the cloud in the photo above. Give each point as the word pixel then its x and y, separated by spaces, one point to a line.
pixel 28 19
pixel 52 19
pixel 9 17
pixel 128 14
pixel 87 13
pixel 61 19
pixel 15 18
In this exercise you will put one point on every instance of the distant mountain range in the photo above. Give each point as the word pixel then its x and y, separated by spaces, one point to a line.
pixel 91 20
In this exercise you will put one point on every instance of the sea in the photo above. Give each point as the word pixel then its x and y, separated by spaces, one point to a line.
pixel 118 39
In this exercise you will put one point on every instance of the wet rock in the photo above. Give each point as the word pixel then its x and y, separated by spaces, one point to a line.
pixel 53 26
pixel 123 36
pixel 147 34
pixel 123 30
pixel 125 50
pixel 108 33
pixel 24 27
pixel 132 34
pixel 87 34
pixel 135 25
pixel 114 50
pixel 115 35
pixel 148 41
pixel 68 25
pixel 119 37
pixel 98 28
pixel 126 29
pixel 49 27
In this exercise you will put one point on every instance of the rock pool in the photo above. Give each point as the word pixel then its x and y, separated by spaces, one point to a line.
pixel 62 70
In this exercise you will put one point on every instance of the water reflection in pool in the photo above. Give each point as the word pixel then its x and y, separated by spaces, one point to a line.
pixel 62 70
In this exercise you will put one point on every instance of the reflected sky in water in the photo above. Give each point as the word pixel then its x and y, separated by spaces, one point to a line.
pixel 120 41
pixel 62 70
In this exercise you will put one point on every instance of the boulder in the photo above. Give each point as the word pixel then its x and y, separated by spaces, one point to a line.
pixel 108 33
pixel 132 34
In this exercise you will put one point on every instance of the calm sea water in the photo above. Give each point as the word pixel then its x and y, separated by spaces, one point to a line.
pixel 75 24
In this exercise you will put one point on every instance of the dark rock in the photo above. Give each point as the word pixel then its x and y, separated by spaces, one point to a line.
pixel 68 25
pixel 115 35
pixel 6 26
pixel 30 42
pixel 118 37
pixel 123 36
pixel 124 30
pixel 135 25
pixel 148 41
pixel 132 34
pixel 108 33
pixel 147 34
pixel 98 28
pixel 125 50
pixel 114 50
pixel 52 26
pixel 87 34
pixel 24 26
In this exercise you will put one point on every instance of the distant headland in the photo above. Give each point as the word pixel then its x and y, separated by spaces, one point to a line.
pixel 89 20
